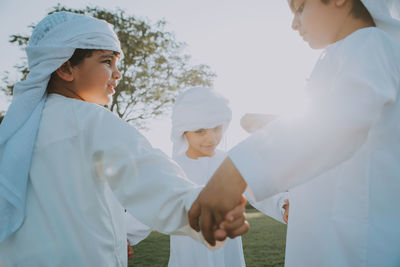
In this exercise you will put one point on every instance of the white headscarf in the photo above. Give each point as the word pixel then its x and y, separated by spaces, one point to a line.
pixel 52 43
pixel 386 14
pixel 197 108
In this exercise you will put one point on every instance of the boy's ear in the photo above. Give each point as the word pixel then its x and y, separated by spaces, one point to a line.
pixel 65 72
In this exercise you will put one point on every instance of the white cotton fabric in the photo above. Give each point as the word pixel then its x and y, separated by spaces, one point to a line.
pixel 52 43
pixel 184 251
pixel 136 231
pixel 272 206
pixel 386 14
pixel 340 161
pixel 86 163
pixel 197 108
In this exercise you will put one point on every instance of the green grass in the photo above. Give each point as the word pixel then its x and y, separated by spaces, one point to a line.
pixel 263 245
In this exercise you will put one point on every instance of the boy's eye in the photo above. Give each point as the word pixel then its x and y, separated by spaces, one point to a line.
pixel 200 131
pixel 107 61
pixel 300 8
pixel 218 128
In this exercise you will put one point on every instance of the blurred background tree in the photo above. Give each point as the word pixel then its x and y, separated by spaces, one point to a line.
pixel 154 68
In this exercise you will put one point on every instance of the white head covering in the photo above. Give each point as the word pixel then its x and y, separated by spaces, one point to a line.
pixel 197 108
pixel 52 43
pixel 386 14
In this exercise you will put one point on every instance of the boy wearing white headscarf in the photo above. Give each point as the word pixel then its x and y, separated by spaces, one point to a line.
pixel 341 160
pixel 199 120
pixel 67 164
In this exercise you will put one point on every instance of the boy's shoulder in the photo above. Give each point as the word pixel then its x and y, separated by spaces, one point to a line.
pixel 70 106
pixel 76 114
pixel 366 49
pixel 65 117
pixel 371 40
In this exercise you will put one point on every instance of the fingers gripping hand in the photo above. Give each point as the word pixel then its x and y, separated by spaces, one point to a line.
pixel 235 223
pixel 130 250
pixel 203 217
pixel 286 208
pixel 207 217
pixel 194 215
pixel 221 194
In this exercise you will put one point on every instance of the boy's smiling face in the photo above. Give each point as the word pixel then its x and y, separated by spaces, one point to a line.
pixel 96 77
pixel 203 142
pixel 319 23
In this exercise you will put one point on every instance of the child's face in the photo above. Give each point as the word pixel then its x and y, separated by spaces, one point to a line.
pixel 317 22
pixel 97 76
pixel 202 143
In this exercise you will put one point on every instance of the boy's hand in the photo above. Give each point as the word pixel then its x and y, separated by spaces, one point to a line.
pixel 222 194
pixel 286 208
pixel 130 249
pixel 252 122
pixel 235 223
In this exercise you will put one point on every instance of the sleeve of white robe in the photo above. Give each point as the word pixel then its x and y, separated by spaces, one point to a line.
pixel 144 180
pixel 291 152
pixel 135 230
pixel 272 206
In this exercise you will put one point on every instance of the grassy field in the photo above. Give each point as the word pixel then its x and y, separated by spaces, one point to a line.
pixel 263 245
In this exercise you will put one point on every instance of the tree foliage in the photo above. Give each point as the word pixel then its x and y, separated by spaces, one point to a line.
pixel 154 68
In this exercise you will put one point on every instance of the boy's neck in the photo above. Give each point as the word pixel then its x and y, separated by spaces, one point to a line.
pixel 352 25
pixel 54 88
pixel 193 155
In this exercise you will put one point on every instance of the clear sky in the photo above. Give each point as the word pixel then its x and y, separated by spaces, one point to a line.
pixel 262 64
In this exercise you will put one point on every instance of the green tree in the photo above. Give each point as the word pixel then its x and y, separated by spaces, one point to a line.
pixel 154 68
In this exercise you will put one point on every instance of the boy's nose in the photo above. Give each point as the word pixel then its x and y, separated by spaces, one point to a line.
pixel 211 137
pixel 116 75
pixel 295 23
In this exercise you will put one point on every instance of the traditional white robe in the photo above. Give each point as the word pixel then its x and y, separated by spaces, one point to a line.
pixel 344 156
pixel 184 251
pixel 82 152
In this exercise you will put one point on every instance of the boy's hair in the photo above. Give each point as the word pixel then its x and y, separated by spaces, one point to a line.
pixel 80 54
pixel 359 11
pixel 77 57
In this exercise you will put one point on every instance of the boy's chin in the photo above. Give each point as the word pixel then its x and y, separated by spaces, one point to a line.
pixel 316 46
pixel 208 152
pixel 104 100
